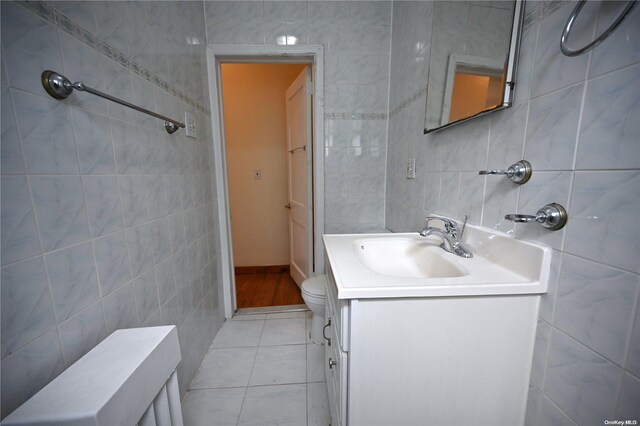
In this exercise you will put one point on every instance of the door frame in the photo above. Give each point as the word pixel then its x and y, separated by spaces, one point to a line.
pixel 217 55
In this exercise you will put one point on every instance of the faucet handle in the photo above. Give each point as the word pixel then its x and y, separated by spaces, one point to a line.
pixel 450 225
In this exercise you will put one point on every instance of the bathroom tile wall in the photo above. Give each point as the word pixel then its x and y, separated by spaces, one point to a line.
pixel 107 221
pixel 356 40
pixel 576 120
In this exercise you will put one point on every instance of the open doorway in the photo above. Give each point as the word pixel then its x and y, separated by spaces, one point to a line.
pixel 313 56
pixel 266 110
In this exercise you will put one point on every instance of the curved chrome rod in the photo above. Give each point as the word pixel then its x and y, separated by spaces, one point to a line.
pixel 60 87
pixel 567 29
pixel 552 216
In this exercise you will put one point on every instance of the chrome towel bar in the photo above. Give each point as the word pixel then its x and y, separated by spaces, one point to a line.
pixel 567 29
pixel 60 87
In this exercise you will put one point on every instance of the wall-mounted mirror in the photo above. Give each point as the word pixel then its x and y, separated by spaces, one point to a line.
pixel 474 48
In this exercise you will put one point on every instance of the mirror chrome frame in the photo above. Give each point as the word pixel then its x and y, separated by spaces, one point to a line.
pixel 512 65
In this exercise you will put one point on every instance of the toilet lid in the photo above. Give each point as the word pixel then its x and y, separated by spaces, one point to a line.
pixel 315 286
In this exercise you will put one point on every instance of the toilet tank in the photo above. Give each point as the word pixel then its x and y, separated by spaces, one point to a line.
pixel 127 379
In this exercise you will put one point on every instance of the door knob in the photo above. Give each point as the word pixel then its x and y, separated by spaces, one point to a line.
pixel 332 363
pixel 287 206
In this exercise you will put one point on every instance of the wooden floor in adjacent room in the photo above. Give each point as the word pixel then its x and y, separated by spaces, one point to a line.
pixel 255 289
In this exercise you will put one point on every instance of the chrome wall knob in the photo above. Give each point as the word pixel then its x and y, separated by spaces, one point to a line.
pixel 519 172
pixel 552 216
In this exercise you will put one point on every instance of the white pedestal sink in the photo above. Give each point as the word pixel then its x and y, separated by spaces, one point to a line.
pixel 421 336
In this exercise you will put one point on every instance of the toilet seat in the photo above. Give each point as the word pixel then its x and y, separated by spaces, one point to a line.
pixel 315 287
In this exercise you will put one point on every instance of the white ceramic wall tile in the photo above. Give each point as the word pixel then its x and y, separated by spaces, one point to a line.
pixel 533 406
pixel 117 82
pixel 60 210
pixel 449 193
pixel 541 348
pixel 612 108
pixel 112 259
pixel 595 305
pixel 580 382
pixel 71 209
pixel 27 309
pixel 145 290
pixel 224 405
pixel 127 141
pixel 548 300
pixel 73 279
pixel 524 72
pixel 600 204
pixel 621 48
pixel 633 357
pixel 281 404
pixel 552 69
pixel 82 63
pixel 140 248
pixel 628 407
pixel 543 188
pixel 604 208
pixel 12 160
pixel 160 240
pixel 81 12
pixel 120 309
pixel 552 129
pixel 29 43
pixel 134 200
pixel 506 143
pixel 19 235
pixel 28 370
pixel 551 415
pixel 500 199
pixel 81 333
pixel 112 25
pixel 93 141
pixel 103 204
pixel 46 134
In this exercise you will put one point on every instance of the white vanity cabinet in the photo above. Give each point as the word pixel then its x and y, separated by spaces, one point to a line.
pixel 428 360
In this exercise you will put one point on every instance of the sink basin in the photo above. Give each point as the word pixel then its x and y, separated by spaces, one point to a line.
pixel 406 258
pixel 409 265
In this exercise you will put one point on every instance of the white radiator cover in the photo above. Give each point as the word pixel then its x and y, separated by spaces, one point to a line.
pixel 128 379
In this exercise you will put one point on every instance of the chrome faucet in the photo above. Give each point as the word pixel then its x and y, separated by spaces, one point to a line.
pixel 450 240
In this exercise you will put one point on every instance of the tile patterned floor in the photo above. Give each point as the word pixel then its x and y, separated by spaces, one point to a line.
pixel 261 369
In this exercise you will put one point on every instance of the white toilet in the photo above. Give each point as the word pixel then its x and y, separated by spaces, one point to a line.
pixel 314 295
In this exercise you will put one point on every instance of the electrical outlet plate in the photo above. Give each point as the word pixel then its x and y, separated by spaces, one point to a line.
pixel 411 168
pixel 191 126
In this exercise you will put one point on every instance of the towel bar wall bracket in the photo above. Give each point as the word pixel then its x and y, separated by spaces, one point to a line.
pixel 60 87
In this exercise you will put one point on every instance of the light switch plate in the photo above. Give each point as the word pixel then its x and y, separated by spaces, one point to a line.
pixel 257 174
pixel 191 126
pixel 411 168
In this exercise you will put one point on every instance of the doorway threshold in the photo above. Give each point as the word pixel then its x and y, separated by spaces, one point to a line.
pixel 271 309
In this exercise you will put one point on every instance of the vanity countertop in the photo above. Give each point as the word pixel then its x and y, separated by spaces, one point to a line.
pixel 501 265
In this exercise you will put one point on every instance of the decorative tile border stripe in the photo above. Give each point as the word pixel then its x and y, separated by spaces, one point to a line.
pixel 60 20
pixel 404 104
pixel 355 116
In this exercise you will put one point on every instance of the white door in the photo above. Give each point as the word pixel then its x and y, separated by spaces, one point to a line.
pixel 298 99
